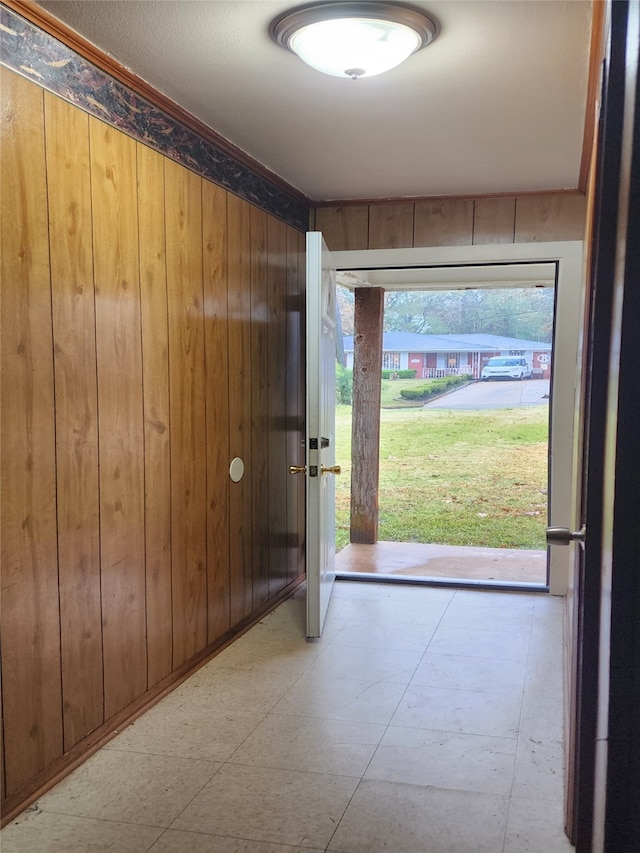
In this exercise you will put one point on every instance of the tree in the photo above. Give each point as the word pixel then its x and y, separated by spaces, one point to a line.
pixel 345 300
pixel 525 313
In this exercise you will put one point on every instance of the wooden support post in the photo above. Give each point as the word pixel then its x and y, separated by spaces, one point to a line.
pixel 365 442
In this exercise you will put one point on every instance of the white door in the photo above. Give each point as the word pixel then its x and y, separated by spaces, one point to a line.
pixel 321 399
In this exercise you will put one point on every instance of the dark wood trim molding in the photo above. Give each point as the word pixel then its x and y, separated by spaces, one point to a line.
pixel 45 21
pixel 596 55
pixel 101 86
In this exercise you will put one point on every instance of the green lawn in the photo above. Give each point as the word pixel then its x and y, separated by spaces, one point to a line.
pixel 455 477
pixel 390 393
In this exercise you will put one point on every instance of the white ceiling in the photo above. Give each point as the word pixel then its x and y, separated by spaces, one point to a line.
pixel 496 104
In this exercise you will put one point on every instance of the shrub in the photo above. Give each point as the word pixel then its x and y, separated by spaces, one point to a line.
pixel 399 374
pixel 344 385
pixel 433 387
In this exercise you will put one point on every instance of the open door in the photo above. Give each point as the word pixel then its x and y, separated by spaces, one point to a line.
pixel 320 440
pixel 603 783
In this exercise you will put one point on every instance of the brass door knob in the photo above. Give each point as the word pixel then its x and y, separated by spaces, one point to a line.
pixel 297 469
pixel 332 469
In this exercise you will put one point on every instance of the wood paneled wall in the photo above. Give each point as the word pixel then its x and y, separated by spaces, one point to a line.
pixel 151 332
pixel 452 222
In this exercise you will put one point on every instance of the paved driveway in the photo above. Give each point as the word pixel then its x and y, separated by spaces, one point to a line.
pixel 495 394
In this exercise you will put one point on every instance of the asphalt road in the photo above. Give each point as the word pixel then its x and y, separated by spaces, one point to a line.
pixel 495 394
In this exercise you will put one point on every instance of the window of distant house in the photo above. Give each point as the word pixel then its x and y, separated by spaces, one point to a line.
pixel 390 360
pixel 516 352
pixel 453 359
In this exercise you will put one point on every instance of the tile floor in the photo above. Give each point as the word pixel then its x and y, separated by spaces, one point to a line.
pixel 425 721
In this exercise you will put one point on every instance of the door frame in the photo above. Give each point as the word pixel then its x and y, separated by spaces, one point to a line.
pixel 567 348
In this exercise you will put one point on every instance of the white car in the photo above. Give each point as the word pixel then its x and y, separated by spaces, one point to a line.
pixel 506 367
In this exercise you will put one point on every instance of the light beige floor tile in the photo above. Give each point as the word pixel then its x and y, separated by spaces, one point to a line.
pixel 341 610
pixel 314 745
pixel 342 699
pixel 468 711
pixel 427 612
pixel 286 631
pixel 387 816
pixel 544 671
pixel 416 604
pixel 187 731
pixel 266 658
pixel 398 613
pixel 387 632
pixel 523 601
pixel 470 673
pixel 547 636
pixel 275 698
pixel 480 642
pixel 365 664
pixel 42 832
pixel 408 594
pixel 280 806
pixel 130 787
pixel 550 606
pixel 542 717
pixel 230 689
pixel 463 613
pixel 536 825
pixel 173 841
pixel 539 769
pixel 445 760
pixel 349 589
pixel 293 615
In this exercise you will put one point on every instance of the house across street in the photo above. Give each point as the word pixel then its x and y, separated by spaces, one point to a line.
pixel 433 356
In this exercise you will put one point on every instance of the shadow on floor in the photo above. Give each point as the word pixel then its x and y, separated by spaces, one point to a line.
pixel 412 559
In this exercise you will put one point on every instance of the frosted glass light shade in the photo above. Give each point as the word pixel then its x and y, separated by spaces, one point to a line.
pixel 353 39
pixel 354 47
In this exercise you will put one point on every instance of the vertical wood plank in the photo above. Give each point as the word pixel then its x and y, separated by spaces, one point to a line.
pixel 157 447
pixel 278 466
pixel 239 271
pixel 214 230
pixel 259 406
pixel 391 225
pixel 444 222
pixel 295 361
pixel 32 701
pixel 74 330
pixel 550 217
pixel 344 227
pixel 187 417
pixel 120 405
pixel 365 432
pixel 494 220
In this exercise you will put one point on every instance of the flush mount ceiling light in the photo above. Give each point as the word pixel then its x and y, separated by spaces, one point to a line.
pixel 353 39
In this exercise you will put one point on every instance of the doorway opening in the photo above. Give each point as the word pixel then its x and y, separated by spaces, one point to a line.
pixel 464 426
pixel 382 267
